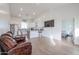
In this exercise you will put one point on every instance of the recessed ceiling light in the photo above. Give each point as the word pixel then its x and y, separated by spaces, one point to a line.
pixel 34 13
pixel 19 15
pixel 43 16
pixel 21 9
pixel 3 12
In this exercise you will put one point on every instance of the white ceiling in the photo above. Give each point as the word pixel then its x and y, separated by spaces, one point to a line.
pixel 32 10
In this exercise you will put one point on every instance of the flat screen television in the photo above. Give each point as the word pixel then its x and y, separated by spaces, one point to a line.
pixel 49 23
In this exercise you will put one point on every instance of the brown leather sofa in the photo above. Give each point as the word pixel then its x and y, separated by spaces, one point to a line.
pixel 11 47
pixel 18 39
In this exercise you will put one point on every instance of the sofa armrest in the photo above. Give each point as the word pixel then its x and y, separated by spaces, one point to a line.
pixel 21 49
pixel 20 39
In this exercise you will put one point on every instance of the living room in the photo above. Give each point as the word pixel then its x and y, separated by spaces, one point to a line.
pixel 46 30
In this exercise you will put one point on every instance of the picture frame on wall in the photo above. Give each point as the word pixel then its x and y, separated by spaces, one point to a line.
pixel 49 23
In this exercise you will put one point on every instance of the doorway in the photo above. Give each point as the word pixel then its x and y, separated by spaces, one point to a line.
pixel 68 30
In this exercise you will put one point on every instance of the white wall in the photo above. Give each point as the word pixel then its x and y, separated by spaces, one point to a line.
pixel 55 32
pixel 63 17
pixel 76 30
pixel 4 18
pixel 68 13
pixel 63 20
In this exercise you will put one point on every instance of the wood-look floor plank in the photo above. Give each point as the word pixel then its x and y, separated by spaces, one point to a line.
pixel 46 46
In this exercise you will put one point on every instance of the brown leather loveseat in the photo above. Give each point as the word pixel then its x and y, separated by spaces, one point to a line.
pixel 11 47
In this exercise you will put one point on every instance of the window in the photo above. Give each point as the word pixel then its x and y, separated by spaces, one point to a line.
pixel 23 25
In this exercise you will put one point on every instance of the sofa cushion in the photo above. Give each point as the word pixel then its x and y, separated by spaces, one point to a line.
pixel 7 34
pixel 8 41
